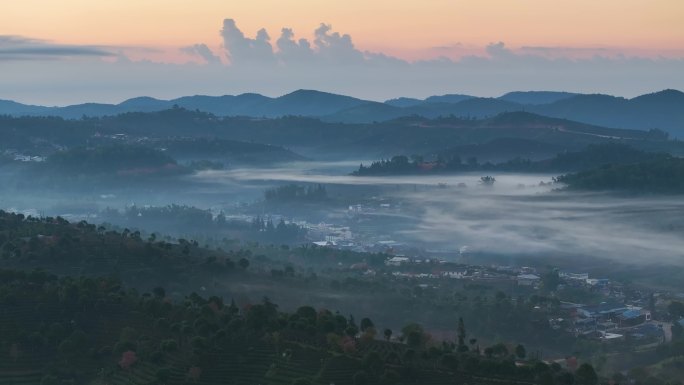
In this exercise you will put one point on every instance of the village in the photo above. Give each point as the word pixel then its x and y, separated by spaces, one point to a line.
pixel 614 313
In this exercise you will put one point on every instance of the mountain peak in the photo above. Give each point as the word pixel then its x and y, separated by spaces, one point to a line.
pixel 140 100
pixel 661 95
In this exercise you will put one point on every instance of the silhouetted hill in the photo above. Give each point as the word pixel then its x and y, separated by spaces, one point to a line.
pixel 663 110
pixel 111 160
pixel 411 102
pixel 503 149
pixel 536 97
pixel 404 102
pixel 94 109
pixel 223 150
pixel 479 107
pixel 300 102
pixel 467 108
pixel 315 138
pixel 9 107
pixel 448 98
pixel 308 103
pixel 227 105
pixel 144 103
pixel 662 176
pixel 370 112
pixel 519 97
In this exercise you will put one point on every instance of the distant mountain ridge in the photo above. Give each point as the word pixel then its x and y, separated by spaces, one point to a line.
pixel 189 135
pixel 663 109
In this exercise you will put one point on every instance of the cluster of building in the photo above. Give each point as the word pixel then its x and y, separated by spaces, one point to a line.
pixel 447 270
pixel 608 321
pixel 329 233
pixel 611 321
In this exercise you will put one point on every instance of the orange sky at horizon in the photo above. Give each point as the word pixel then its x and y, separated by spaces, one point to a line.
pixel 407 29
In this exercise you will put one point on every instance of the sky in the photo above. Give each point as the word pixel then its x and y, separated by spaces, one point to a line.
pixel 74 51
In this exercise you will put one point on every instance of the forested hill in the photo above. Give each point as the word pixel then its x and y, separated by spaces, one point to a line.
pixel 451 162
pixel 185 132
pixel 111 160
pixel 96 331
pixel 662 176
pixel 79 327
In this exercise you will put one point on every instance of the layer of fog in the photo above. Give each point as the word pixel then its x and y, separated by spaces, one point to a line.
pixel 515 216
pixel 518 215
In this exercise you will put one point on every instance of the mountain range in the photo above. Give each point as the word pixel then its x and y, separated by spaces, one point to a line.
pixel 663 110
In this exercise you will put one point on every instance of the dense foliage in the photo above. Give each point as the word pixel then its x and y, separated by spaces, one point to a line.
pixel 180 220
pixel 593 156
pixel 659 176
pixel 112 160
pixel 76 330
pixel 186 132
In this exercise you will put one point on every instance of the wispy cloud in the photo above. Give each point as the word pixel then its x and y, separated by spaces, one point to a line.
pixel 23 48
pixel 204 52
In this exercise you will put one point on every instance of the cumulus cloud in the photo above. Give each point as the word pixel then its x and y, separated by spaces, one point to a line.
pixel 499 51
pixel 203 51
pixel 23 48
pixel 243 50
pixel 328 47
pixel 335 47
pixel 293 51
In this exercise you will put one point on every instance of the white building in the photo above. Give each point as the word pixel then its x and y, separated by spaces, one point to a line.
pixel 528 279
pixel 396 261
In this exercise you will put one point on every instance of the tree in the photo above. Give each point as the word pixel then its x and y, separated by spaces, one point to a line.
pixel 498 350
pixel 551 280
pixel 487 180
pixel 520 352
pixel 388 334
pixel 307 312
pixel 676 310
pixel 233 309
pixel 414 335
pixel 365 324
pixel 461 333
pixel 586 375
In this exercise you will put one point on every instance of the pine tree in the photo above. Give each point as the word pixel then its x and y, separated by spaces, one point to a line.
pixel 461 333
